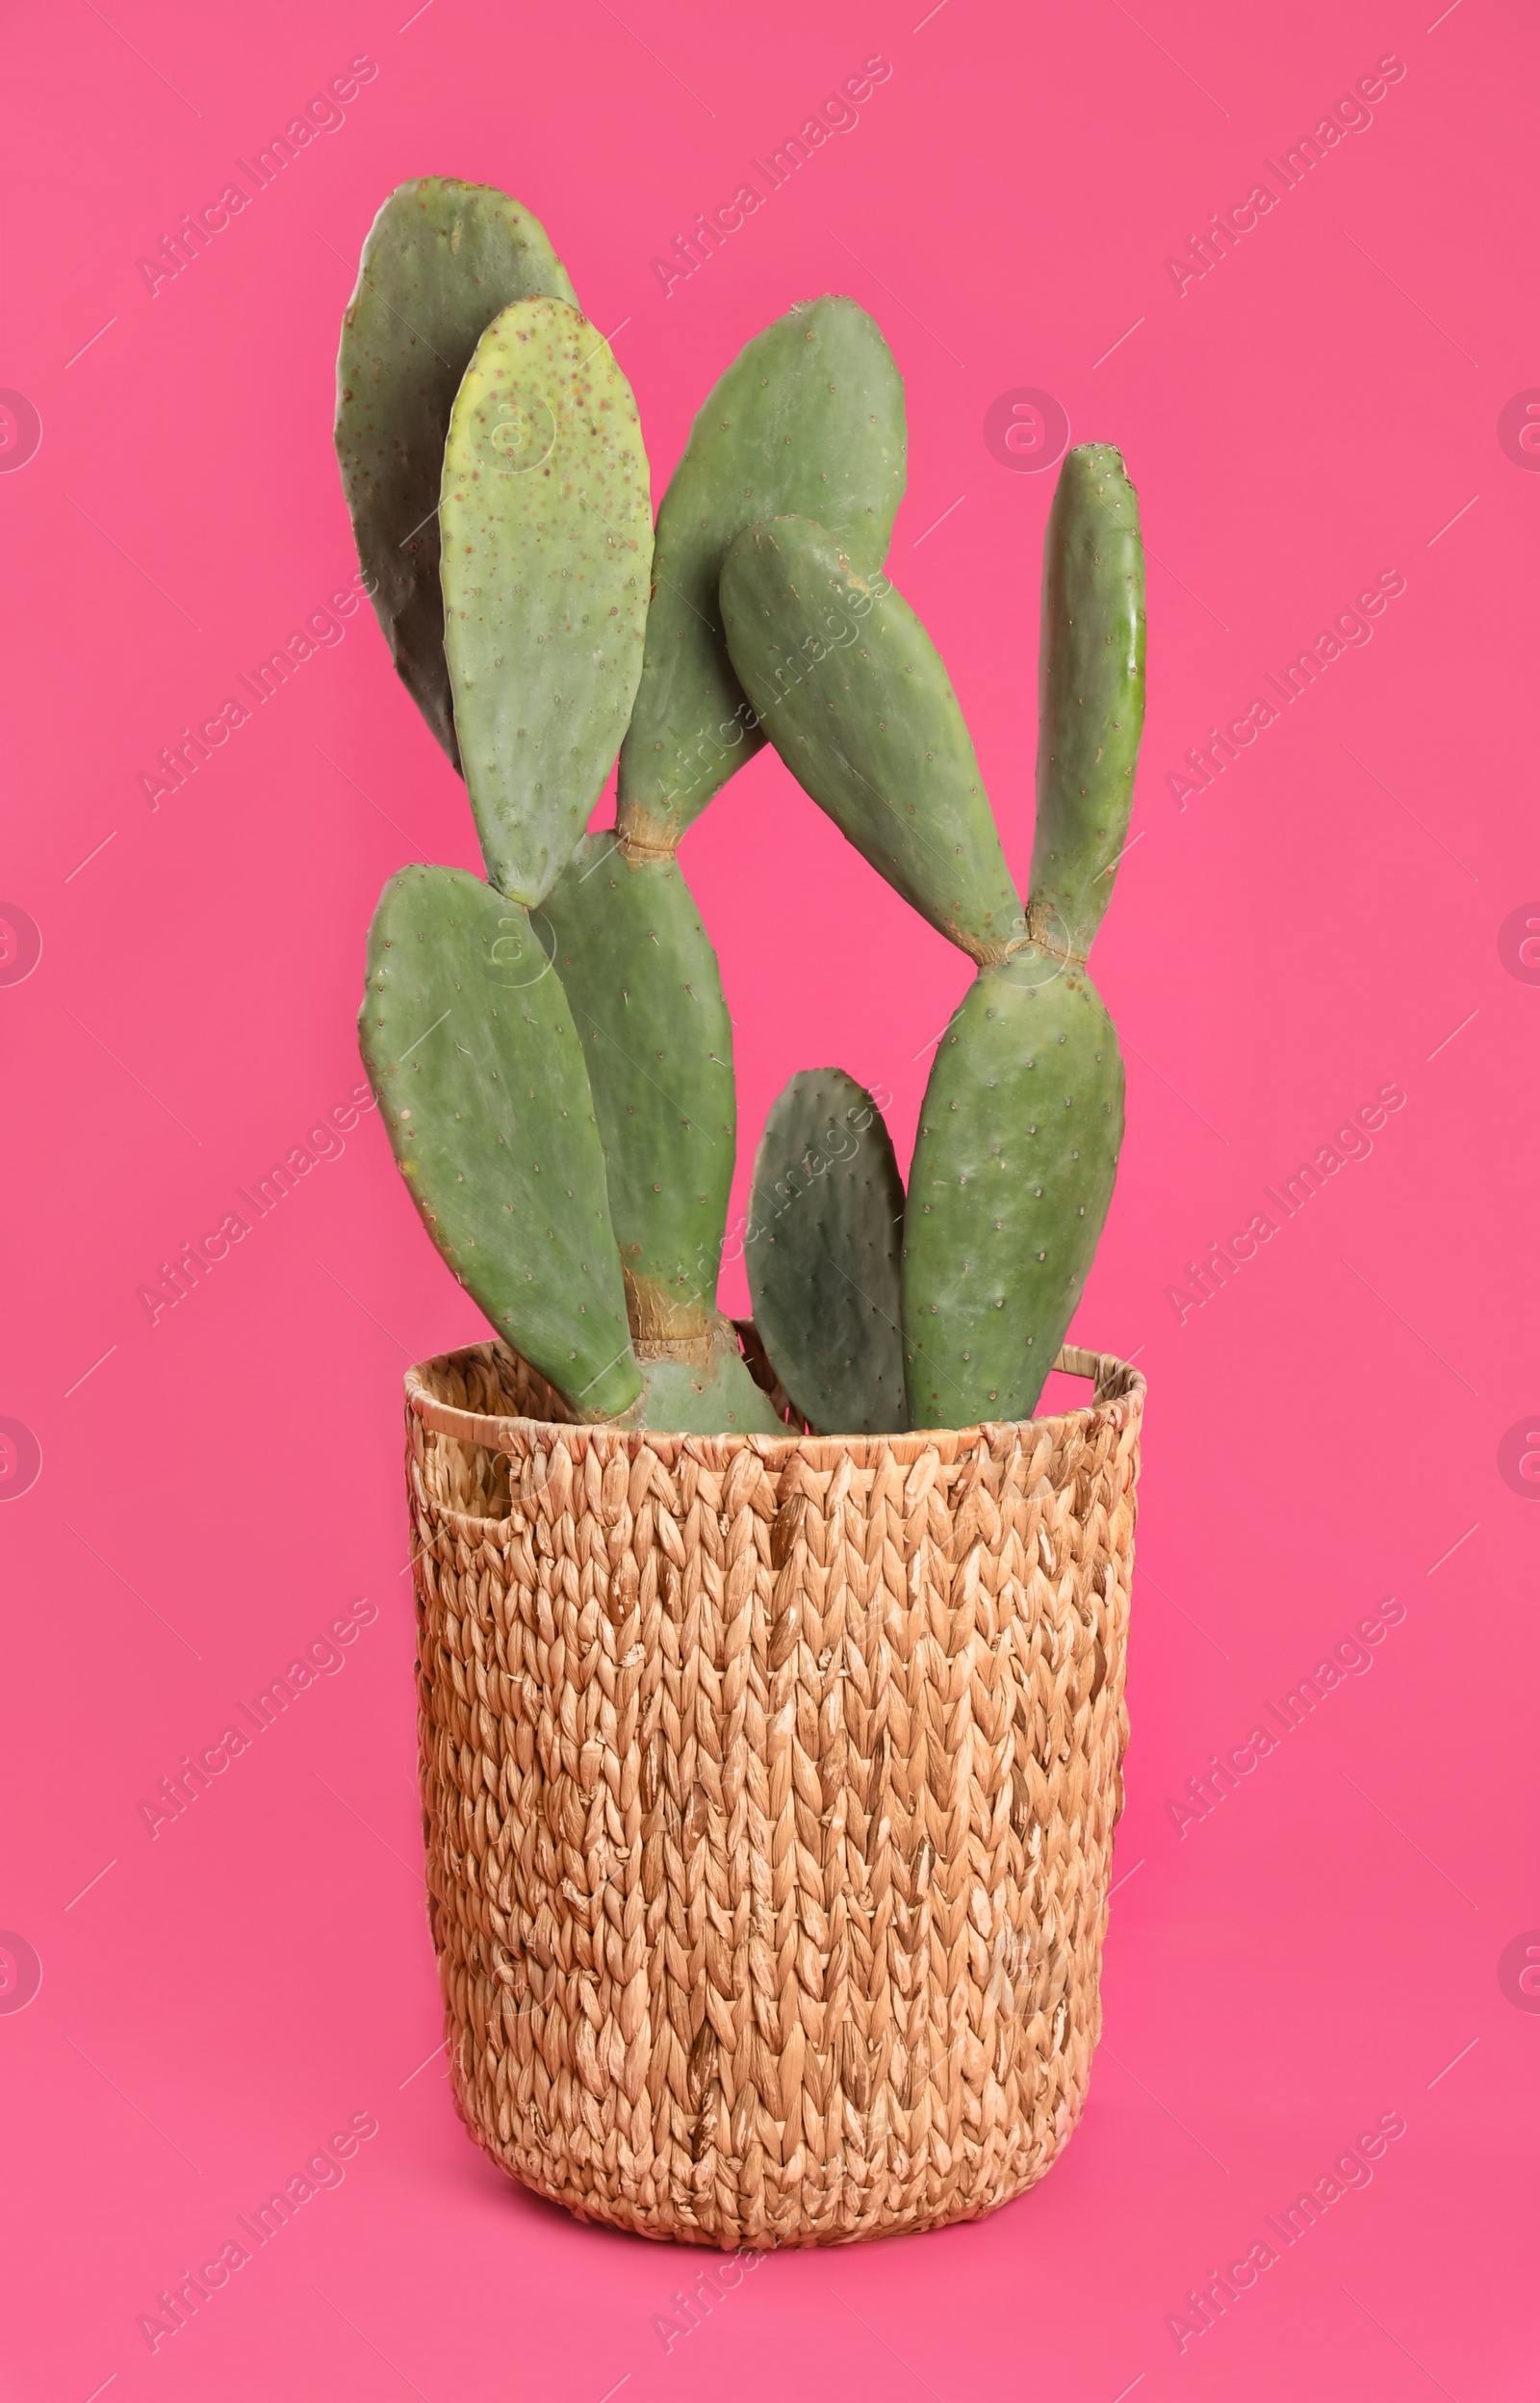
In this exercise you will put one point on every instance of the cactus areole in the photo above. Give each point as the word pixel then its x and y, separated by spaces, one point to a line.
pixel 551 1046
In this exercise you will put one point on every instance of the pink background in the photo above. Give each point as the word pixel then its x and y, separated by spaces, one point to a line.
pixel 215 1489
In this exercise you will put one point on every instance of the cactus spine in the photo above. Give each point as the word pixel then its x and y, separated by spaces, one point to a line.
pixel 552 1047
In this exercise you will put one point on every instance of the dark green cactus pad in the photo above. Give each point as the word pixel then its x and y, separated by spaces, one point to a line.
pixel 1091 695
pixel 646 997
pixel 441 259
pixel 850 688
pixel 471 1049
pixel 824 1250
pixel 547 531
pixel 809 418
pixel 710 1395
pixel 1013 1171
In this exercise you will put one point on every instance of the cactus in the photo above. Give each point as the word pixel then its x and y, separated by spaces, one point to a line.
pixel 1022 1121
pixel 1091 695
pixel 641 977
pixel 441 259
pixel 1013 1165
pixel 808 417
pixel 701 1389
pixel 552 1047
pixel 479 1072
pixel 861 710
pixel 547 540
pixel 823 1253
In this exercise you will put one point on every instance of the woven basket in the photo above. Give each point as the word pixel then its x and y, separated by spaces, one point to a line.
pixel 769 1788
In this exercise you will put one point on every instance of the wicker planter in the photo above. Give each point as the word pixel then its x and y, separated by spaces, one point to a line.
pixel 769 1789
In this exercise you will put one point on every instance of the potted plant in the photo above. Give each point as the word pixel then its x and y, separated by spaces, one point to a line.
pixel 770 1674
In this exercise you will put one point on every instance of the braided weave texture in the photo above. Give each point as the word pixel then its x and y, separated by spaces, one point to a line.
pixel 769 1786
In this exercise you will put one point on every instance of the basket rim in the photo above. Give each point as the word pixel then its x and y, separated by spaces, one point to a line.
pixel 1119 1391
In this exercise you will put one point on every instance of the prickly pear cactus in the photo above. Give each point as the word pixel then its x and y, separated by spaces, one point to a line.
pixel 823 1253
pixel 479 1072
pixel 642 980
pixel 701 1387
pixel 1023 1121
pixel 552 1049
pixel 441 259
pixel 1007 1195
pixel 849 688
pixel 646 997
pixel 1013 1165
pixel 547 545
pixel 1090 694
pixel 810 418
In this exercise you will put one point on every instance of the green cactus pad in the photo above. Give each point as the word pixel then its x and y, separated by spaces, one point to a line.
pixel 850 690
pixel 441 260
pixel 1091 695
pixel 646 997
pixel 1013 1171
pixel 809 418
pixel 471 1049
pixel 708 1393
pixel 823 1253
pixel 547 535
